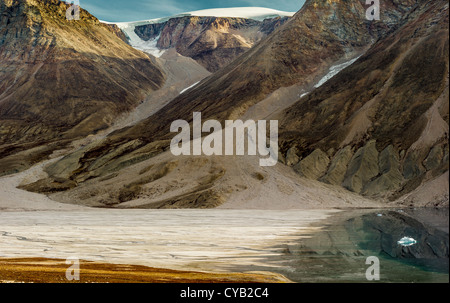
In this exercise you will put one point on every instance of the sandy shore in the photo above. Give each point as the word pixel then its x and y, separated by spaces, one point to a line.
pixel 156 245
pixel 219 241
pixel 221 244
pixel 195 240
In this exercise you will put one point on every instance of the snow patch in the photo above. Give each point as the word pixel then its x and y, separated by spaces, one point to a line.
pixel 334 70
pixel 188 88
pixel 304 94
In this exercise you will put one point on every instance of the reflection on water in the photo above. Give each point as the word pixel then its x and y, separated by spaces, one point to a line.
pixel 334 249
pixel 339 252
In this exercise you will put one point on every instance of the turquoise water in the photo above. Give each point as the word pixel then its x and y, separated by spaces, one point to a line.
pixel 339 252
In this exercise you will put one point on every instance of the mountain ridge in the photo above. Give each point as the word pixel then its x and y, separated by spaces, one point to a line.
pixel 213 41
pixel 366 131
pixel 59 79
pixel 296 53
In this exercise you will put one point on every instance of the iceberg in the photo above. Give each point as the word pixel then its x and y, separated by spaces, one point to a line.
pixel 407 241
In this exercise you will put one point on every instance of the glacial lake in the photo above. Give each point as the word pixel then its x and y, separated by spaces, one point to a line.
pixel 324 246
pixel 338 253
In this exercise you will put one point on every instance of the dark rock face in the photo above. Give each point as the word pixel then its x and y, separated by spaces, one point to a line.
pixel 61 79
pixel 362 167
pixel 149 31
pixel 301 52
pixel 338 167
pixel 116 30
pixel 379 128
pixel 212 41
pixel 388 109
pixel 313 166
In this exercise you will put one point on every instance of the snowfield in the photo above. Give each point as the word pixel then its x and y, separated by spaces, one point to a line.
pixel 255 13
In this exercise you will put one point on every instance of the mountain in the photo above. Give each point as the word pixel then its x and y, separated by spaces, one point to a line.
pixel 214 42
pixel 380 127
pixel 297 70
pixel 214 38
pixel 61 79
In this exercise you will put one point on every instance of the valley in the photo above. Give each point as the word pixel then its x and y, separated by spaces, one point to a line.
pixel 86 166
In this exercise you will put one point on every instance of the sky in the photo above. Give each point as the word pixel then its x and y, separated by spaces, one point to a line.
pixel 135 10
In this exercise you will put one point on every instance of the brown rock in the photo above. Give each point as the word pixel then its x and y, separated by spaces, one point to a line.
pixel 434 158
pixel 412 166
pixel 313 166
pixel 61 79
pixel 291 156
pixel 391 178
pixel 212 41
pixel 338 167
pixel 362 168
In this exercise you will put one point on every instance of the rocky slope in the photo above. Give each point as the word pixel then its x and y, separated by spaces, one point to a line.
pixel 61 80
pixel 212 41
pixel 380 127
pixel 316 134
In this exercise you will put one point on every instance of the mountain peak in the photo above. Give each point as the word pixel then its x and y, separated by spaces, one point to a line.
pixel 65 78
pixel 212 37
